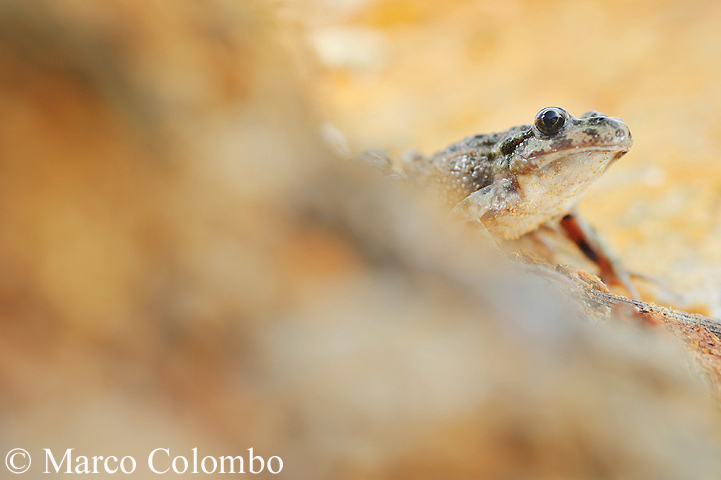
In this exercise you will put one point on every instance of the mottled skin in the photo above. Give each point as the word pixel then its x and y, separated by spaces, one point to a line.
pixel 515 181
pixel 463 167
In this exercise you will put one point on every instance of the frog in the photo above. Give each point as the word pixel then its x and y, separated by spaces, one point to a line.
pixel 516 181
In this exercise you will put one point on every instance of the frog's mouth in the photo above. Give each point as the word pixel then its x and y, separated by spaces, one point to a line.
pixel 617 153
pixel 617 156
pixel 557 153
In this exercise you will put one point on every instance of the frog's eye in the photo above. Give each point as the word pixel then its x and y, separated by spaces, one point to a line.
pixel 550 120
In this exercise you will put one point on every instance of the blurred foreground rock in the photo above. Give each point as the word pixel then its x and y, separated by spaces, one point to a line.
pixel 185 265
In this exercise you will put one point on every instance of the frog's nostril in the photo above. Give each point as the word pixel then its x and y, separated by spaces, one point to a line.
pixel 622 133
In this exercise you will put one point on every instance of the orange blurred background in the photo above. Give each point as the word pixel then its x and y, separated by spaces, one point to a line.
pixel 184 263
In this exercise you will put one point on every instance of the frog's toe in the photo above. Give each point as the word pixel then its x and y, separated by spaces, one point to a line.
pixel 474 206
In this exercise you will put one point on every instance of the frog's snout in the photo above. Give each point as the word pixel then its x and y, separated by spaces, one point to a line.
pixel 622 135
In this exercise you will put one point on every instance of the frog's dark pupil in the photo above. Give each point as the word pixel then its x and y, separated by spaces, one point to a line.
pixel 550 121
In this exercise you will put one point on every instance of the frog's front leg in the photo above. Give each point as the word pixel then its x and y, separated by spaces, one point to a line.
pixel 482 207
pixel 589 243
pixel 471 209
pixel 474 206
pixel 484 204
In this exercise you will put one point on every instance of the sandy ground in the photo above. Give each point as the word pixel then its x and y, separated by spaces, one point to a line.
pixel 422 74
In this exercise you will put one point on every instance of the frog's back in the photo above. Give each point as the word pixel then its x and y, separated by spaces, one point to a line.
pixel 462 168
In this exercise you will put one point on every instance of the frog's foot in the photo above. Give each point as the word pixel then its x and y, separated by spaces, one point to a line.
pixel 488 202
pixel 470 211
pixel 474 206
pixel 590 244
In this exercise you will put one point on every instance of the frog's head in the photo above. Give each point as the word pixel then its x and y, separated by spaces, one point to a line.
pixel 555 159
pixel 557 136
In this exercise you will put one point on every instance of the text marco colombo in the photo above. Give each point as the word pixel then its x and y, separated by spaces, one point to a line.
pixel 161 461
